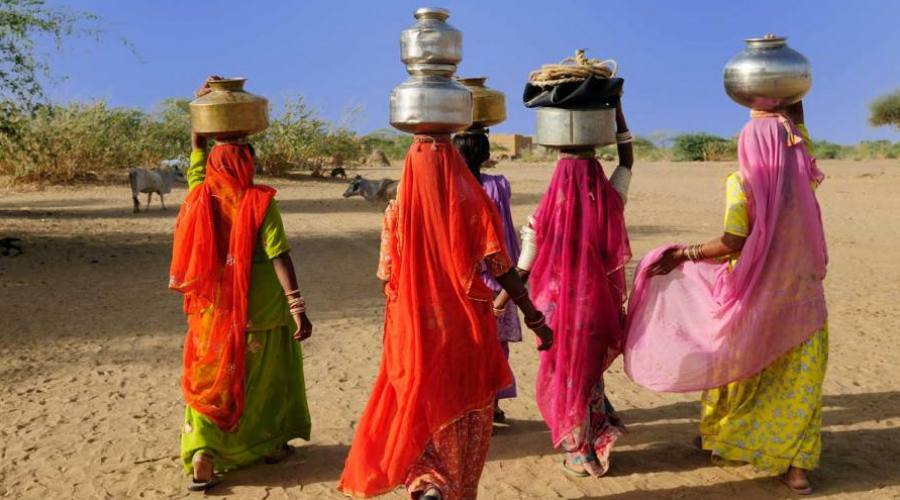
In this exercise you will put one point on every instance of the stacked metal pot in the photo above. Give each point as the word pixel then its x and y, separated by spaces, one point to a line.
pixel 431 101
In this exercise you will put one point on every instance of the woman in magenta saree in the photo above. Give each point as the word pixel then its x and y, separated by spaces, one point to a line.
pixel 575 248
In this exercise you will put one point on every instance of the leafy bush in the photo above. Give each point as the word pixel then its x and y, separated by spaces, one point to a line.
pixel 66 143
pixel 886 110
pixel 829 150
pixel 869 150
pixel 299 139
pixel 393 144
pixel 703 147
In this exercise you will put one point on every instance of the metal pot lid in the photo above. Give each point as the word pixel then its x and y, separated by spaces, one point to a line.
pixel 432 13
pixel 767 41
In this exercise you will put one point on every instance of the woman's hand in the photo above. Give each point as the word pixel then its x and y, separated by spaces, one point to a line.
pixel 668 261
pixel 304 327
pixel 204 89
pixel 546 335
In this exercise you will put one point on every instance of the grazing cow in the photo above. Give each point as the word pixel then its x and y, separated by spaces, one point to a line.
pixel 373 191
pixel 151 181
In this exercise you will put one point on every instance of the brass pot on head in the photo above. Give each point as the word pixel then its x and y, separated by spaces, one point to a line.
pixel 488 105
pixel 767 75
pixel 228 111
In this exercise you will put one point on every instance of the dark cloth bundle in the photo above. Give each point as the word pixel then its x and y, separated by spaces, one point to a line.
pixel 592 93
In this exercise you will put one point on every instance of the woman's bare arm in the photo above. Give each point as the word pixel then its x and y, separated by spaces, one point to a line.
pixel 723 246
pixel 514 287
pixel 284 269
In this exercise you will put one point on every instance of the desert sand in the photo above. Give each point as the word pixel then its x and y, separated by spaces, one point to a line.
pixel 90 405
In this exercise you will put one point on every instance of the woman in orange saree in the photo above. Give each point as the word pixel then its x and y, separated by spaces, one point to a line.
pixel 428 422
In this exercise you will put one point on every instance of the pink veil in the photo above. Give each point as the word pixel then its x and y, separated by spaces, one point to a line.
pixel 578 280
pixel 705 325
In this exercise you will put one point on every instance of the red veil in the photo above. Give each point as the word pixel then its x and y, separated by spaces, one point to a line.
pixel 440 357
pixel 211 259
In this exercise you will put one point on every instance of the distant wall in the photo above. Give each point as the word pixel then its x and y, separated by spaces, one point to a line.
pixel 510 145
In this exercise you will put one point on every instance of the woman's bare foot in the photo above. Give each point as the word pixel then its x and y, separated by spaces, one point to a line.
pixel 203 467
pixel 204 476
pixel 595 469
pixel 432 494
pixel 796 480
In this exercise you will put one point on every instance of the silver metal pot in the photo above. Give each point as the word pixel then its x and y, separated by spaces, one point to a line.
pixel 767 74
pixel 431 105
pixel 564 128
pixel 431 40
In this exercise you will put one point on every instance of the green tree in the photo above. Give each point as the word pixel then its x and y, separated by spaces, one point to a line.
pixel 886 110
pixel 22 71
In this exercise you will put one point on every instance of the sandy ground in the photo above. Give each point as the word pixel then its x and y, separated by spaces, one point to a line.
pixel 90 347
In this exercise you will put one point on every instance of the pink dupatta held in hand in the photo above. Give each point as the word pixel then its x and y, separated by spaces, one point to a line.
pixel 578 280
pixel 705 325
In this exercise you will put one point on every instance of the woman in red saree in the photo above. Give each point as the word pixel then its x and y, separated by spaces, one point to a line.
pixel 428 421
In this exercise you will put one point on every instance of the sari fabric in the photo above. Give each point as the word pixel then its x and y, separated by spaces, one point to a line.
pixel 578 280
pixel 440 356
pixel 211 260
pixel 707 324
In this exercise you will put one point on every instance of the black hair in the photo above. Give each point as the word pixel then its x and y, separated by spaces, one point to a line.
pixel 475 149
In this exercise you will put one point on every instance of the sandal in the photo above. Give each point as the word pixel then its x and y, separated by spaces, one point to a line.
pixel 279 455
pixel 573 472
pixel 196 485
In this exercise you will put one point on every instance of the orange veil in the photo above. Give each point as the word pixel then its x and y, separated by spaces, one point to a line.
pixel 440 354
pixel 211 258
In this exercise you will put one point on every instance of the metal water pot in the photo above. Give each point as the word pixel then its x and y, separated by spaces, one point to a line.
pixel 575 128
pixel 431 105
pixel 431 44
pixel 229 111
pixel 488 105
pixel 767 74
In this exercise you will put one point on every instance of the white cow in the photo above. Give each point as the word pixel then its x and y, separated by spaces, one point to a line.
pixel 158 180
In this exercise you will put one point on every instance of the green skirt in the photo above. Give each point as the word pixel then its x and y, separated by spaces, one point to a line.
pixel 275 408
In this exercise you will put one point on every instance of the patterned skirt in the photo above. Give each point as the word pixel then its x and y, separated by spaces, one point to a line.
pixel 772 420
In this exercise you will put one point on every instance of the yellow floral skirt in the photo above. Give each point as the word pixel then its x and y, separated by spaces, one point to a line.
pixel 772 420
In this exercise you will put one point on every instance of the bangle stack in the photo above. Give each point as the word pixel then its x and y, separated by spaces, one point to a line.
pixel 624 137
pixel 536 323
pixel 296 302
pixel 694 253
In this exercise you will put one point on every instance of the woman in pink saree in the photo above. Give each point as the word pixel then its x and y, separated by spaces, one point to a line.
pixel 743 316
pixel 574 249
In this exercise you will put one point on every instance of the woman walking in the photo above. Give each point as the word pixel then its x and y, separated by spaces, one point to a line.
pixel 475 149
pixel 744 315
pixel 428 422
pixel 242 378
pixel 574 249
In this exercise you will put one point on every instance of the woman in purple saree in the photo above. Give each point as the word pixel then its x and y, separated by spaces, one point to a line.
pixel 475 149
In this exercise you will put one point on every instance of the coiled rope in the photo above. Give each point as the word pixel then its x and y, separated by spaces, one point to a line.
pixel 573 69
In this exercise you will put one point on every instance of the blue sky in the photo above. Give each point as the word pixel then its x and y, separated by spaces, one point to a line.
pixel 345 54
